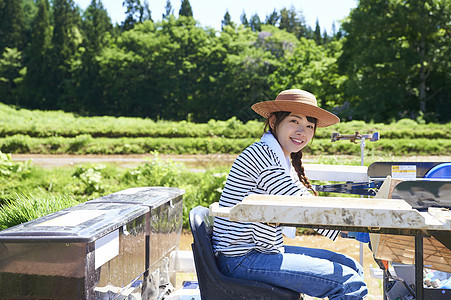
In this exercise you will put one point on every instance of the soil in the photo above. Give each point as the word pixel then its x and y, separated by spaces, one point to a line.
pixel 125 160
pixel 200 161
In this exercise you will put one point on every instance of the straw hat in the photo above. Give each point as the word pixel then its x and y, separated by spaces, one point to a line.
pixel 296 101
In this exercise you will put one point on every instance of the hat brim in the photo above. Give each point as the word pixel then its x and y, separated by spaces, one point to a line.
pixel 324 117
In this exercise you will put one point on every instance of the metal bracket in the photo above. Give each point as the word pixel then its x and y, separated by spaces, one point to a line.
pixel 354 137
pixel 356 188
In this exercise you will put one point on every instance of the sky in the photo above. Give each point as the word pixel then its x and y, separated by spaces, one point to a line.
pixel 211 12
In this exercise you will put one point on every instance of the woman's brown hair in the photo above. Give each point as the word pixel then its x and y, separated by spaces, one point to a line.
pixel 296 157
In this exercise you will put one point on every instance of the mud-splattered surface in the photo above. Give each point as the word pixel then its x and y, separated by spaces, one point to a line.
pixel 339 211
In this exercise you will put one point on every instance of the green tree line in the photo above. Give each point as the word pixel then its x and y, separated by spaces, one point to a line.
pixel 389 60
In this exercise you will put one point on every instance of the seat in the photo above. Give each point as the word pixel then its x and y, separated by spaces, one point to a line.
pixel 212 283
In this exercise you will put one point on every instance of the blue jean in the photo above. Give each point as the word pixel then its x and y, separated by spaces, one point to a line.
pixel 314 272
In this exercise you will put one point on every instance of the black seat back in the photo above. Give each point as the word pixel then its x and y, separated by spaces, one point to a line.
pixel 212 283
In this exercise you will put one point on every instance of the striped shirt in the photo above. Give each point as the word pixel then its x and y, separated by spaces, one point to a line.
pixel 257 170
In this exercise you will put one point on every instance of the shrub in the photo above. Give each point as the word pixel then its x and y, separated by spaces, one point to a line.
pixel 90 178
pixel 10 168
pixel 79 142
pixel 17 143
pixel 202 189
pixel 156 172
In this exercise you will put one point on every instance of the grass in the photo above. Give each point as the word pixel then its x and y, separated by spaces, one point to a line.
pixel 25 207
pixel 27 188
pixel 39 191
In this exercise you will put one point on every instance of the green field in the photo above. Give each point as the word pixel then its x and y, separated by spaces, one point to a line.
pixel 56 132
pixel 29 191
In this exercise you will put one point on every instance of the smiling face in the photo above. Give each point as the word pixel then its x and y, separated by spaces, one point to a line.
pixel 293 133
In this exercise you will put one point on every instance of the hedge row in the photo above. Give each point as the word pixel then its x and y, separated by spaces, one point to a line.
pixel 85 144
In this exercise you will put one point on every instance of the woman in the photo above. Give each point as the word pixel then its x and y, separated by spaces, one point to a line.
pixel 255 251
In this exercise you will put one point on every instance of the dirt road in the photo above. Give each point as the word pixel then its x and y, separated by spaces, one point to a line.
pixel 191 161
pixel 60 160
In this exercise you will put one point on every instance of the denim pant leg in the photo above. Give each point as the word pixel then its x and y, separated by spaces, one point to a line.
pixel 329 255
pixel 307 274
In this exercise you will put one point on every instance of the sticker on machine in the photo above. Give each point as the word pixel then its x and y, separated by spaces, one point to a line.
pixel 106 248
pixel 73 218
pixel 404 171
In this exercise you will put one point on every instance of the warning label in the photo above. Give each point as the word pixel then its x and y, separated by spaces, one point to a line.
pixel 404 171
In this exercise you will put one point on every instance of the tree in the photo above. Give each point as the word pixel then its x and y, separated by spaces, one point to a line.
pixel 11 74
pixel 168 10
pixel 277 42
pixel 245 78
pixel 227 21
pixel 185 9
pixel 314 68
pixel 334 30
pixel 12 33
pixel 429 37
pixel 317 34
pixel 272 18
pixel 96 23
pixel 147 14
pixel 175 70
pixel 255 23
pixel 37 59
pixel 136 12
pixel 65 41
pixel 166 70
pixel 326 39
pixel 244 20
pixel 96 27
pixel 29 10
pixel 391 51
pixel 293 22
